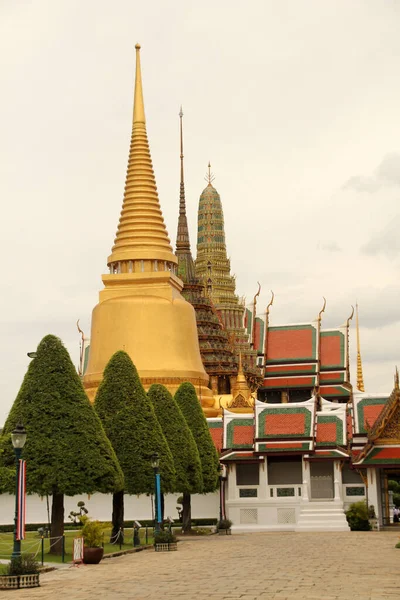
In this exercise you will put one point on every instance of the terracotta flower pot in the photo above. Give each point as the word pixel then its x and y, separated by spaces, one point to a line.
pixel 92 556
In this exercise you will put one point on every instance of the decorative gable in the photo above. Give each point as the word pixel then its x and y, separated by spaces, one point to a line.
pixel 367 409
pixel 216 428
pixel 285 427
pixel 238 430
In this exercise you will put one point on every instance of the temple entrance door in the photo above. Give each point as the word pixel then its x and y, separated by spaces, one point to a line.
pixel 321 480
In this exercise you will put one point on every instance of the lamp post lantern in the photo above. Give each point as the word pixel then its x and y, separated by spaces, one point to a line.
pixel 18 438
pixel 155 463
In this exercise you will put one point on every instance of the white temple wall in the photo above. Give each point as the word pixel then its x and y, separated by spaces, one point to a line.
pixel 100 507
pixel 270 502
pixel 277 498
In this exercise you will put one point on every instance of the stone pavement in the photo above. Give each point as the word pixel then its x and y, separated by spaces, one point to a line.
pixel 312 566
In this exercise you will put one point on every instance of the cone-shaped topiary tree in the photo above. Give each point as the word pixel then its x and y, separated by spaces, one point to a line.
pixel 189 479
pixel 119 400
pixel 67 450
pixel 131 424
pixel 187 401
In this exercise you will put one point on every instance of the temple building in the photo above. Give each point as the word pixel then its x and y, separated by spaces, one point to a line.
pixel 297 444
pixel 141 309
pixel 311 447
pixel 213 269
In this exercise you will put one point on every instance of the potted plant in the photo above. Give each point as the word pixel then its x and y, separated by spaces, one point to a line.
pixel 224 527
pixel 92 533
pixel 165 541
pixel 357 516
pixel 21 572
pixel 373 521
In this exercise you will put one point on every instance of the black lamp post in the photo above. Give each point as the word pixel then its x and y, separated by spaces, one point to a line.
pixel 18 438
pixel 221 483
pixel 155 463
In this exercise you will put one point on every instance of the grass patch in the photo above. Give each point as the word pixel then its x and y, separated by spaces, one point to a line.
pixel 32 544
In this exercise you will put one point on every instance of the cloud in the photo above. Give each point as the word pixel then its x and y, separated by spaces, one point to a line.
pixel 386 174
pixel 329 246
pixel 386 241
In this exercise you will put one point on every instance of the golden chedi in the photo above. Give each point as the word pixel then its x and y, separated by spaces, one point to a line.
pixel 141 309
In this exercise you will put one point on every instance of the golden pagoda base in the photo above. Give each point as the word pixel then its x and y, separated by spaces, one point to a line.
pixel 152 322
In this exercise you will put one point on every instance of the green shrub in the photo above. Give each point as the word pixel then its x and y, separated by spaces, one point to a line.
pixel 224 524
pixel 164 537
pixel 397 545
pixel 24 564
pixel 357 516
pixel 92 532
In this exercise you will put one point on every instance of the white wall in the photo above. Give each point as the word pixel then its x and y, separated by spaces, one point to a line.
pixel 100 507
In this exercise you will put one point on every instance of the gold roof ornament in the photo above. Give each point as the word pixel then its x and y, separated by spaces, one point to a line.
pixel 360 378
pixel 253 334
pixel 241 393
pixel 141 233
pixel 210 176
pixel 396 380
pixel 322 310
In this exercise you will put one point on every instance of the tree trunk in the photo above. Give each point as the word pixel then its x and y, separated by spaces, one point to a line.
pixel 57 523
pixel 186 514
pixel 117 518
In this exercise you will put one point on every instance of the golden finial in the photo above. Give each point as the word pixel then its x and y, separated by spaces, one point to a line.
pixel 360 379
pixel 396 380
pixel 348 343
pixel 240 366
pixel 210 176
pixel 350 317
pixel 141 233
pixel 138 106
pixel 253 335
pixel 266 327
pixel 270 302
pixel 81 349
pixel 322 310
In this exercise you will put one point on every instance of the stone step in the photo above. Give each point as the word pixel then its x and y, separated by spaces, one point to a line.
pixel 322 516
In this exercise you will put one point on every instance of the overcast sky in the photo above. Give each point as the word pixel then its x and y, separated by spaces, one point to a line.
pixel 296 104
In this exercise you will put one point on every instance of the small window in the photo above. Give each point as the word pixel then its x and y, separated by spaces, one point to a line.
pixel 248 493
pixel 247 474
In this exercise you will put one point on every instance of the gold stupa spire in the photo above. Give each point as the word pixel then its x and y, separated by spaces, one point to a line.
pixel 209 176
pixel 141 234
pixel 396 380
pixel 360 379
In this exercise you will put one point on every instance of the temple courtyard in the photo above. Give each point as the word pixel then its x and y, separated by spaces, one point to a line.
pixel 312 566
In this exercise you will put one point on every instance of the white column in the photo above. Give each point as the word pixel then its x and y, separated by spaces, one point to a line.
pixel 231 492
pixel 263 487
pixel 373 493
pixel 337 480
pixel 306 478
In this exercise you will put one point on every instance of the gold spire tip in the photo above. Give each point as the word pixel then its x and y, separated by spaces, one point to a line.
pixel 181 112
pixel 138 104
pixel 209 177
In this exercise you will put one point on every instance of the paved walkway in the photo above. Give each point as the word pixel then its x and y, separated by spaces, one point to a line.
pixel 300 566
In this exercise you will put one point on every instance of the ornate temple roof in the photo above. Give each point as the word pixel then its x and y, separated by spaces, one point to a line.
pixel 215 349
pixel 213 269
pixel 141 233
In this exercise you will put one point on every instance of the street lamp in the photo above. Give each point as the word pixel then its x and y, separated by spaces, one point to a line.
pixel 155 463
pixel 221 491
pixel 18 438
